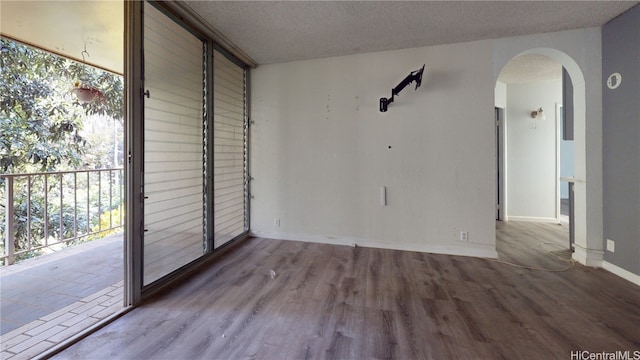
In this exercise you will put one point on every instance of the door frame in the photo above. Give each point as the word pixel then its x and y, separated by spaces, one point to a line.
pixel 134 113
pixel 558 110
pixel 501 185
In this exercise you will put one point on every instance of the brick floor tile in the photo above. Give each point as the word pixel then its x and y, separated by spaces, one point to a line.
pixel 118 290
pixel 39 329
pixel 34 350
pixel 73 330
pixel 9 343
pixel 96 309
pixel 107 312
pixel 66 309
pixel 53 331
pixel 114 300
pixel 102 299
pixel 55 314
pixel 98 294
pixel 64 317
pixel 74 320
pixel 18 348
pixel 86 307
pixel 23 329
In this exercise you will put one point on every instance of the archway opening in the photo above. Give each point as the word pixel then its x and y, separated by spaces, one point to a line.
pixel 530 179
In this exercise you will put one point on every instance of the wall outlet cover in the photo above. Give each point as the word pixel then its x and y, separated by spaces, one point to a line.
pixel 611 245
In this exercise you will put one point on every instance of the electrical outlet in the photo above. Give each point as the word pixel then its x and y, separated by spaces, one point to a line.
pixel 276 222
pixel 611 245
pixel 464 236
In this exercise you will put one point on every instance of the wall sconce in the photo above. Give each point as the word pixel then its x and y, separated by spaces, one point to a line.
pixel 538 114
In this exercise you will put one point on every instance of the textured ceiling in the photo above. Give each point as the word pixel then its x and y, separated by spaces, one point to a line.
pixel 277 31
pixel 529 68
pixel 281 31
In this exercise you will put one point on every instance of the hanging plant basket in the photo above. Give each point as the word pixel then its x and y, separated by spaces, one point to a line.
pixel 86 93
pixel 82 90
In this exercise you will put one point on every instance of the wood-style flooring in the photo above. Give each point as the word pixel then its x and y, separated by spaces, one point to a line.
pixel 270 299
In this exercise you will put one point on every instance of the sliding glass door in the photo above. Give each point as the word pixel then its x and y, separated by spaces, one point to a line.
pixel 187 135
pixel 174 151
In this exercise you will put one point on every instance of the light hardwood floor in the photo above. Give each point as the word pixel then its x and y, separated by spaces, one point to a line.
pixel 338 302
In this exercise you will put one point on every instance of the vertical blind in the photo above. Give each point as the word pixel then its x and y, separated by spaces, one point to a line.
pixel 173 146
pixel 229 153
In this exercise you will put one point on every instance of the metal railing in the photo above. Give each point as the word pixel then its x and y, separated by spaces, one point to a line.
pixel 43 211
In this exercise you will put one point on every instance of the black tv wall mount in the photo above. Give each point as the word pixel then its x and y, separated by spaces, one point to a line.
pixel 414 76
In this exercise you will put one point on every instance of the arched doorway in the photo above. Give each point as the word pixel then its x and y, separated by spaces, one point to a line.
pixel 528 99
pixel 587 248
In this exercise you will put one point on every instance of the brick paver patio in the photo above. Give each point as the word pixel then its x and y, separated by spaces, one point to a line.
pixel 50 298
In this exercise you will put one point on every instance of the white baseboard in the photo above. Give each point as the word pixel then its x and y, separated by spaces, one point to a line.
pixel 533 219
pixel 625 274
pixel 587 257
pixel 470 249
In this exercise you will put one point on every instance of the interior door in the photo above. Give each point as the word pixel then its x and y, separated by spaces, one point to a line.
pixel 174 146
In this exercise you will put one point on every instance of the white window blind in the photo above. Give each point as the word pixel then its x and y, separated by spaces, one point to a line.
pixel 229 149
pixel 173 146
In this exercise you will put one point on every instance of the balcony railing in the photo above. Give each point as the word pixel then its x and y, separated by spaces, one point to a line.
pixel 46 211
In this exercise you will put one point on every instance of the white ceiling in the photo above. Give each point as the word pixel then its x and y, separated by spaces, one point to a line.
pixel 66 27
pixel 530 68
pixel 281 31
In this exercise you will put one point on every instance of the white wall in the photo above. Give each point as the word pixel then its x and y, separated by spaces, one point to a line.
pixel 500 94
pixel 319 146
pixel 531 149
pixel 321 150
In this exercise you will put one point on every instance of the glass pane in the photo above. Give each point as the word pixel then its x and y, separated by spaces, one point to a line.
pixel 229 149
pixel 173 159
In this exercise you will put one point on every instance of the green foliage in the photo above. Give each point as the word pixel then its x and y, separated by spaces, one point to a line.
pixel 109 220
pixel 43 129
pixel 40 118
